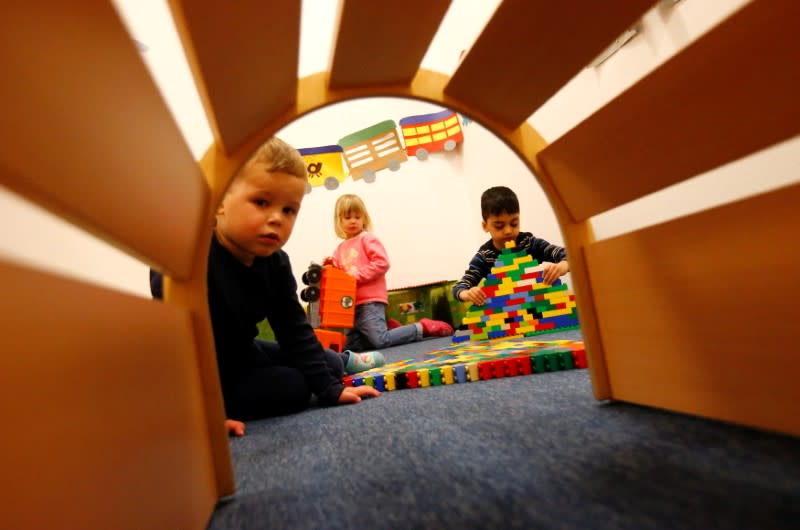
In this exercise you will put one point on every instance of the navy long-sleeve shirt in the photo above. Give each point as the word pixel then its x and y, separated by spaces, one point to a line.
pixel 239 297
pixel 482 262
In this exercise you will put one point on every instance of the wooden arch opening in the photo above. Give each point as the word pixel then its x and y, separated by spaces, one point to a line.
pixel 713 340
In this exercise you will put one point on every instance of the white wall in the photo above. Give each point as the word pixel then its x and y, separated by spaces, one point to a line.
pixel 427 213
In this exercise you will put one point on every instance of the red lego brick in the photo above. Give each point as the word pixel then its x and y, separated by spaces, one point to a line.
pixel 579 358
pixel 498 368
pixel 485 369
pixel 511 367
pixel 524 364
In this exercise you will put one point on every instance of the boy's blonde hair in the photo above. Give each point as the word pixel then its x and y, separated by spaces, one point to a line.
pixel 277 155
pixel 349 203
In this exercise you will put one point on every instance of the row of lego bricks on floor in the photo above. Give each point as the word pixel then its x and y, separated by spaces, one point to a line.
pixel 539 362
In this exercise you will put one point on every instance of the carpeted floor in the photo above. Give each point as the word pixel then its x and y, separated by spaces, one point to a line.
pixel 533 451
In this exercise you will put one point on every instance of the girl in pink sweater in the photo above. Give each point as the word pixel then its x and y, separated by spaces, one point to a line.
pixel 363 257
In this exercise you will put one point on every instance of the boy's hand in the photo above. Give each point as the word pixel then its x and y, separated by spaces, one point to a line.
pixel 474 295
pixel 552 272
pixel 353 394
pixel 234 427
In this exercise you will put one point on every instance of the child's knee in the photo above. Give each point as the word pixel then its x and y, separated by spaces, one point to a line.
pixel 379 340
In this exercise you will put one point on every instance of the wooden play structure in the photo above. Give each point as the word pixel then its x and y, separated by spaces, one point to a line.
pixel 111 403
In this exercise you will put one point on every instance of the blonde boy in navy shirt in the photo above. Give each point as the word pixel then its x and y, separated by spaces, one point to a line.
pixel 249 279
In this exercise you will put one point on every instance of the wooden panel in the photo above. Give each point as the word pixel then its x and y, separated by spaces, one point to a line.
pixel 85 132
pixel 527 143
pixel 531 48
pixel 699 315
pixel 192 294
pixel 244 57
pixel 103 419
pixel 731 93
pixel 383 44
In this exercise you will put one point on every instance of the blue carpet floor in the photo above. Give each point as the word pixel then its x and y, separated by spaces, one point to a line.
pixel 527 452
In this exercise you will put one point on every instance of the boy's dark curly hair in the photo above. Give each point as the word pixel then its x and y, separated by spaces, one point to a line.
pixel 498 200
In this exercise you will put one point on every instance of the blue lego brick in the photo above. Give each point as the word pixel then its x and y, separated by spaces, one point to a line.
pixel 461 373
pixel 561 320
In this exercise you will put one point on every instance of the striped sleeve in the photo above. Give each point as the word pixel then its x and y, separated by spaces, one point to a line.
pixel 543 250
pixel 478 269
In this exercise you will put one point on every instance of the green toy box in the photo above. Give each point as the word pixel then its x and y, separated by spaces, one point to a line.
pixel 430 300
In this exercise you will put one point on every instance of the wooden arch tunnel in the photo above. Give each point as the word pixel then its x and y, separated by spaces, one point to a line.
pixel 122 392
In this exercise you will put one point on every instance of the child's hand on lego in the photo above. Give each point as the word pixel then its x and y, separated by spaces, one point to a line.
pixel 552 272
pixel 353 394
pixel 234 427
pixel 474 295
pixel 328 261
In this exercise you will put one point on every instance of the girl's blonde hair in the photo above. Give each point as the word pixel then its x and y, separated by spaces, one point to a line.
pixel 349 203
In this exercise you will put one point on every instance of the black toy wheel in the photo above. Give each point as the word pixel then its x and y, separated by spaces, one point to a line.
pixel 312 275
pixel 309 294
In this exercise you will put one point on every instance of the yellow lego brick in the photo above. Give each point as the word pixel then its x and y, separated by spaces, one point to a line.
pixel 497 316
pixel 507 268
pixel 556 312
pixel 389 382
pixel 424 377
pixel 560 296
pixel 472 372
pixel 447 375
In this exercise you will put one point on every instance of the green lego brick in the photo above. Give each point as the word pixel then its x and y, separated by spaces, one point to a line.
pixel 538 363
pixel 566 362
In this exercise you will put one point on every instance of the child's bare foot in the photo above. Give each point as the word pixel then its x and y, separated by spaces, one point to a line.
pixel 234 427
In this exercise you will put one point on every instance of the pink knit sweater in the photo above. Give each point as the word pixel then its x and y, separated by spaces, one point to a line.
pixel 364 258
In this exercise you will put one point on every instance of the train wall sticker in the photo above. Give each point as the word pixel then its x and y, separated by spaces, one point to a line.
pixel 363 153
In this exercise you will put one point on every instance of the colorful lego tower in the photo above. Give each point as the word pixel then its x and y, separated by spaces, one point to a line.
pixel 518 302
